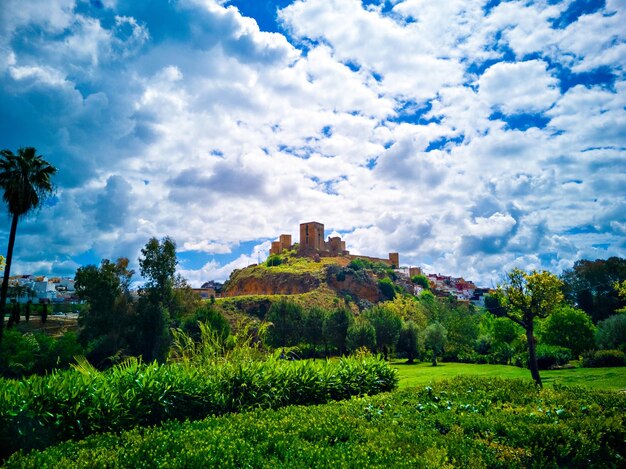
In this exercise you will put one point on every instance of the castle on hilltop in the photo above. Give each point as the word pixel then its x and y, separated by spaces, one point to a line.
pixel 312 244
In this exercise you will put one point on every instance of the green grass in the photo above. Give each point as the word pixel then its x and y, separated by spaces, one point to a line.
pixel 594 378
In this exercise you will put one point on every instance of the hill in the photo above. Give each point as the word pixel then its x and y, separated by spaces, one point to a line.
pixel 315 281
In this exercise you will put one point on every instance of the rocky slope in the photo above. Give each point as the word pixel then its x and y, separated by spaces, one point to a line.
pixel 302 275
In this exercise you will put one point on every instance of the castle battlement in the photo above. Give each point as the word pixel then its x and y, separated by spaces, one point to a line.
pixel 312 244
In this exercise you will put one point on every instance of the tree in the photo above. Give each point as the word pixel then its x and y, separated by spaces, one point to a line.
pixel 314 327
pixel 209 315
pixel 611 333
pixel 158 267
pixel 154 308
pixel 361 334
pixel 435 338
pixel 336 328
pixel 408 341
pixel 26 180
pixel 106 321
pixel 522 298
pixel 387 326
pixel 286 319
pixel 407 308
pixel 421 280
pixel 569 327
pixel 589 285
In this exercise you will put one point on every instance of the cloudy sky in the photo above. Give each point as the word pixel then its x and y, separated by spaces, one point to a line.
pixel 471 136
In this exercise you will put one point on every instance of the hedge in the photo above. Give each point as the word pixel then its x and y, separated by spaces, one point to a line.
pixel 466 422
pixel 41 411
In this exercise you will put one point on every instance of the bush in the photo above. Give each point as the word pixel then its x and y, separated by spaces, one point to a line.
pixel 571 328
pixel 387 289
pixel 550 356
pixel 31 353
pixel 41 411
pixel 273 260
pixel 465 422
pixel 604 358
pixel 611 333
pixel 209 315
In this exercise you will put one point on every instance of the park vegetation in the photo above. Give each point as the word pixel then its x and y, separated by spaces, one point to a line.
pixel 465 422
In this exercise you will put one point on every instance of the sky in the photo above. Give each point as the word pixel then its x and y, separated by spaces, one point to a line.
pixel 470 136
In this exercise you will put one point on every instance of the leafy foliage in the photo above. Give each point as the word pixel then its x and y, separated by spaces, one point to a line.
pixel 600 358
pixel 589 285
pixel 408 341
pixel 361 334
pixel 611 333
pixel 465 422
pixel 31 353
pixel 522 298
pixel 435 338
pixel 286 319
pixel 26 181
pixel 273 260
pixel 421 280
pixel 387 325
pixel 41 411
pixel 571 328
pixel 387 288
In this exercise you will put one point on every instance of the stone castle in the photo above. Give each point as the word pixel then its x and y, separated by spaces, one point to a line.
pixel 312 244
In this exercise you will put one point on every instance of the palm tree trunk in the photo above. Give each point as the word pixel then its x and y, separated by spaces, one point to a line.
pixel 7 272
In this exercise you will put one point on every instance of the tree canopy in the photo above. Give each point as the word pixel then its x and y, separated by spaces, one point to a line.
pixel 590 285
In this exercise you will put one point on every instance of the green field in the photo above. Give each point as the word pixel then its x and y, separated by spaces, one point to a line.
pixel 594 378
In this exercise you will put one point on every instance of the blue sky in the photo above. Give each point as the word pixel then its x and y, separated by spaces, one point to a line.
pixel 470 136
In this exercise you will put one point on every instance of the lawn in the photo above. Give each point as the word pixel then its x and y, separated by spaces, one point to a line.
pixel 594 378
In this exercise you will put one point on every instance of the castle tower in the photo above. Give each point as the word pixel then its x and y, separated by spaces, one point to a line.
pixel 312 236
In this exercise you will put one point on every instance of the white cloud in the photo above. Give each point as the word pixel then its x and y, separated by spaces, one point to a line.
pixel 377 123
pixel 520 87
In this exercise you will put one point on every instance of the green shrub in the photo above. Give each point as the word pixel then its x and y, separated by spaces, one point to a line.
pixel 550 356
pixel 387 289
pixel 207 314
pixel 465 422
pixel 31 353
pixel 604 358
pixel 43 410
pixel 611 333
pixel 273 260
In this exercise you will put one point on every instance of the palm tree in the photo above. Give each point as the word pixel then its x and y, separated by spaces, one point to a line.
pixel 26 179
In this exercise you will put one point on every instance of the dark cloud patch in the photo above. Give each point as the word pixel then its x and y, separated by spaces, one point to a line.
pixel 405 162
pixel 112 206
pixel 225 180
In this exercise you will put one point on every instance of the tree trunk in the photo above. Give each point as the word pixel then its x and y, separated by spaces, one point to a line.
pixel 7 272
pixel 434 358
pixel 532 355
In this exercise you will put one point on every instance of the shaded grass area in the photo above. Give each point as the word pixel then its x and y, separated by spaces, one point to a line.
pixel 421 374
pixel 466 422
